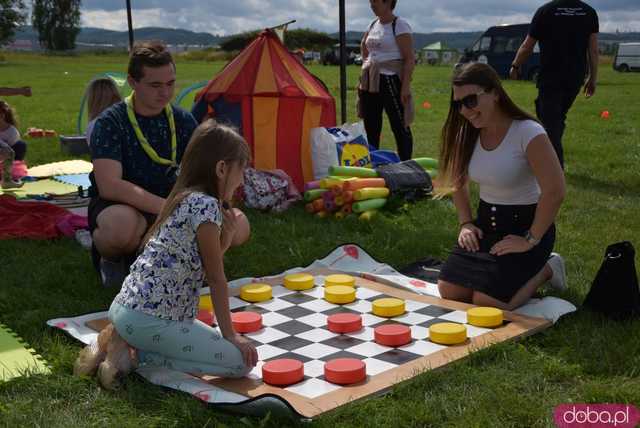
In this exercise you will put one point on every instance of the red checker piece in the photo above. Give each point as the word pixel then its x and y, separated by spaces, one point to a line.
pixel 206 317
pixel 246 322
pixel 282 372
pixel 345 371
pixel 392 335
pixel 344 323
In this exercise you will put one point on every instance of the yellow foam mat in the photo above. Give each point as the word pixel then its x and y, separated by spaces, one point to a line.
pixel 40 187
pixel 16 359
pixel 77 166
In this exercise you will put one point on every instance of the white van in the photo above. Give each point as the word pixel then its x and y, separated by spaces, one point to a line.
pixel 627 57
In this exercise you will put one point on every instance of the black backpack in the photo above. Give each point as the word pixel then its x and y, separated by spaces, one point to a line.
pixel 615 291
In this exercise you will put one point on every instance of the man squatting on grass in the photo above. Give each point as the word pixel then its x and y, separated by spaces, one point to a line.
pixel 136 148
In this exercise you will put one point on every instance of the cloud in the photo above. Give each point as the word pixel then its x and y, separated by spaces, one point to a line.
pixel 425 16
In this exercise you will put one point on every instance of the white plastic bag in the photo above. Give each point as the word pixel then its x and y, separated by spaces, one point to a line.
pixel 324 141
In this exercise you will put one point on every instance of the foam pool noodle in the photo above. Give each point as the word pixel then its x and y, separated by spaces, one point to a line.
pixel 352 171
pixel 312 195
pixel 337 189
pixel 308 207
pixel 318 205
pixel 330 205
pixel 370 193
pixel 369 204
pixel 367 215
pixel 427 163
pixel 312 185
pixel 364 182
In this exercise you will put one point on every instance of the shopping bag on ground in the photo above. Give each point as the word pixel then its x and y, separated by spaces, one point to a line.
pixel 345 145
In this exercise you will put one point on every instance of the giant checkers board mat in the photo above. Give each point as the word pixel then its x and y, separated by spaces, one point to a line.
pixel 295 327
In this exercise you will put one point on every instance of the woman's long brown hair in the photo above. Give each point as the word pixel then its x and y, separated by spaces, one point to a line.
pixel 8 113
pixel 458 135
pixel 102 93
pixel 209 144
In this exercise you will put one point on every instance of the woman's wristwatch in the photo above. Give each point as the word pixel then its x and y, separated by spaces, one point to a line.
pixel 531 239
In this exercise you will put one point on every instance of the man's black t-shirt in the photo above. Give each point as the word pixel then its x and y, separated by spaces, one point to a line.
pixel 114 138
pixel 563 28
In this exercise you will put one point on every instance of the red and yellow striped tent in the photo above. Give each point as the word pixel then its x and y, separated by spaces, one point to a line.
pixel 274 101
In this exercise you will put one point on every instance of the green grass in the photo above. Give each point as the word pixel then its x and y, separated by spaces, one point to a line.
pixel 582 359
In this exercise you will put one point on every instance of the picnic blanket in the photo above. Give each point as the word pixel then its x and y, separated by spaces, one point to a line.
pixel 76 166
pixel 16 359
pixel 36 220
pixel 349 259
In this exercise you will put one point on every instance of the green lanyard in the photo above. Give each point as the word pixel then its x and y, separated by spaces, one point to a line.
pixel 143 141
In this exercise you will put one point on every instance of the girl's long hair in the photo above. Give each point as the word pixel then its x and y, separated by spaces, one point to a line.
pixel 209 144
pixel 8 113
pixel 101 94
pixel 458 135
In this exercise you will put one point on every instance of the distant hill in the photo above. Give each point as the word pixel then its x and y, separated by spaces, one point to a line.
pixel 99 36
pixel 458 40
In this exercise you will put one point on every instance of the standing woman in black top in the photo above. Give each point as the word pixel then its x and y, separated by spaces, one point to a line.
pixel 385 82
pixel 567 31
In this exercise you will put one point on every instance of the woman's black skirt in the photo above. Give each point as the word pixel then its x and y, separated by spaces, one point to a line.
pixel 499 276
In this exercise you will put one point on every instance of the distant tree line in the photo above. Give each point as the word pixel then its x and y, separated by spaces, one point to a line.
pixel 294 39
pixel 12 14
pixel 57 23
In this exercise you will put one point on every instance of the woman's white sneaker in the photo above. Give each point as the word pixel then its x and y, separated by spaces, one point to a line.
pixel 559 278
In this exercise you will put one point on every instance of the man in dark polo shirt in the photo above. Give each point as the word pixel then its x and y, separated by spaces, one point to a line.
pixel 567 31
pixel 136 147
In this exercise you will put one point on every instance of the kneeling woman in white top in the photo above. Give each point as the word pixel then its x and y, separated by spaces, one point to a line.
pixel 504 255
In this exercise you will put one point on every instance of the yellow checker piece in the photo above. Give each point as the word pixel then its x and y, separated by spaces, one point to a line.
pixel 205 303
pixel 485 317
pixel 448 333
pixel 339 294
pixel 299 281
pixel 255 292
pixel 340 279
pixel 388 307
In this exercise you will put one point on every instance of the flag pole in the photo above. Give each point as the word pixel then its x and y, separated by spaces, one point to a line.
pixel 343 63
pixel 130 24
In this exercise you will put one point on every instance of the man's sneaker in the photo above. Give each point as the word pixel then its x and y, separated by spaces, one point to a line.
pixel 112 274
pixel 559 278
pixel 12 184
pixel 83 237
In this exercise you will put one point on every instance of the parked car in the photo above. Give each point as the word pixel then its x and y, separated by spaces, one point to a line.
pixel 332 56
pixel 627 57
pixel 498 46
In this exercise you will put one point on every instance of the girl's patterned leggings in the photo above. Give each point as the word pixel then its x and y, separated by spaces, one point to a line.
pixel 187 346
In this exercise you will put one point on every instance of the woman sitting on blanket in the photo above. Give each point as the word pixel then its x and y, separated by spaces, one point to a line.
pixel 101 94
pixel 156 308
pixel 11 147
pixel 503 255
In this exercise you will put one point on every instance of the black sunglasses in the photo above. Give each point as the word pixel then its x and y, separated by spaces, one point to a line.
pixel 470 101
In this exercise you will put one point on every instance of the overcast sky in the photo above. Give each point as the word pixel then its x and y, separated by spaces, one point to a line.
pixel 425 16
